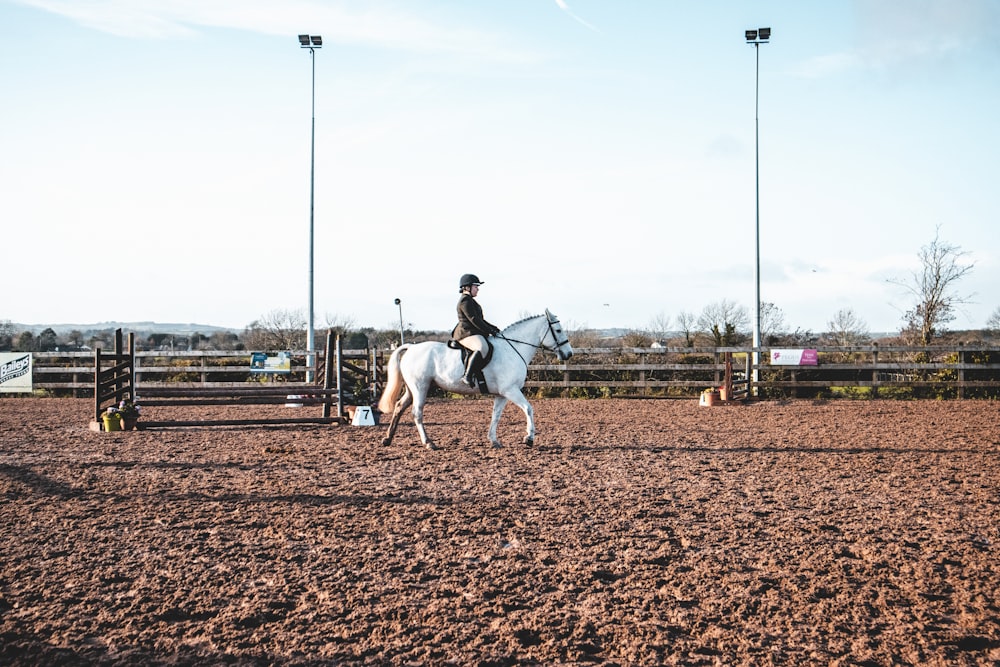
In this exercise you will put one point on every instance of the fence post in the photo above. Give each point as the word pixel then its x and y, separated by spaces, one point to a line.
pixel 136 375
pixel 97 384
pixel 961 370
pixel 373 359
pixel 340 380
pixel 131 366
pixel 874 370
pixel 727 381
pixel 327 376
pixel 642 373
pixel 747 367
pixel 118 359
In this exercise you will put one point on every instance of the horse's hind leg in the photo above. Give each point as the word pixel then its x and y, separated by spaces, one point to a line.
pixel 419 400
pixel 397 412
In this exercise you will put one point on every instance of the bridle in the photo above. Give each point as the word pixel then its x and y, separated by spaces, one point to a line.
pixel 539 346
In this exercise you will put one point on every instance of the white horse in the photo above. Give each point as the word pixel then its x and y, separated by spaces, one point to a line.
pixel 413 367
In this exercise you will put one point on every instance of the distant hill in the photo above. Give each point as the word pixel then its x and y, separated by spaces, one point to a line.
pixel 137 327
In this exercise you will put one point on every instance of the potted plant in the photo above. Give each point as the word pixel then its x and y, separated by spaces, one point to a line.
pixel 122 417
pixel 112 420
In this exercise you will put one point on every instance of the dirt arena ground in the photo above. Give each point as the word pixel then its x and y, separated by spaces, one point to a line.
pixel 635 532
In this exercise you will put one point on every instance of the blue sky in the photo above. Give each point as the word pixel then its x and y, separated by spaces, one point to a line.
pixel 595 158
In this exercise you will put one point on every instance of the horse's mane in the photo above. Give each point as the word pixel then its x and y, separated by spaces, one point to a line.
pixel 521 321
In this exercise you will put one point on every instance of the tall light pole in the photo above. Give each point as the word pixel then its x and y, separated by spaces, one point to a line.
pixel 400 304
pixel 755 38
pixel 311 42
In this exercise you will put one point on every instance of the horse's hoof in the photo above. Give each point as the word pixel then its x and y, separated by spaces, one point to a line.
pixel 430 445
pixel 386 442
pixel 497 445
pixel 529 441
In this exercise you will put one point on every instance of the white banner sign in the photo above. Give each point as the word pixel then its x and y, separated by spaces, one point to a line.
pixel 794 358
pixel 15 372
pixel 261 362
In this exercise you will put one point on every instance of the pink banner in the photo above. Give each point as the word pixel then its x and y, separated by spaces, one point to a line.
pixel 794 358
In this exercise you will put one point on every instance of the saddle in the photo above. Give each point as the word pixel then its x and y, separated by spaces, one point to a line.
pixel 480 379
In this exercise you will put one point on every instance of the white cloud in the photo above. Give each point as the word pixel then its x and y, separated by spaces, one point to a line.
pixel 927 31
pixel 386 26
pixel 563 6
pixel 118 17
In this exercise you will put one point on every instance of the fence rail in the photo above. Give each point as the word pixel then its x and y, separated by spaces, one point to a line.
pixel 939 370
pixel 946 371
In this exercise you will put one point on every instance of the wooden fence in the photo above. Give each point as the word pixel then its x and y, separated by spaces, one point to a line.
pixel 954 371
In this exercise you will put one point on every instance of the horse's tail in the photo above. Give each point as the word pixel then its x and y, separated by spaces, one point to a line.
pixel 394 382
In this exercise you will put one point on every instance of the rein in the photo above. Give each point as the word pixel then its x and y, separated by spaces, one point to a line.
pixel 538 346
pixel 511 341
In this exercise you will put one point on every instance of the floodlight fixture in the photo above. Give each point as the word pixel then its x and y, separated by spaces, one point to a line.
pixel 304 39
pixel 758 36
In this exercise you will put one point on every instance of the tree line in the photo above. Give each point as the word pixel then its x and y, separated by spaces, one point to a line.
pixel 933 289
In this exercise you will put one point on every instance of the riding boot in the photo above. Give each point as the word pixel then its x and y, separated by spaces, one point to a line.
pixel 471 367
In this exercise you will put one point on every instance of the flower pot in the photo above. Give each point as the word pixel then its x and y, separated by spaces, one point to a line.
pixel 112 422
pixel 128 424
pixel 709 398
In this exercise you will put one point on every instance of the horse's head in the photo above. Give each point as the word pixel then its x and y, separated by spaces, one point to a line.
pixel 560 341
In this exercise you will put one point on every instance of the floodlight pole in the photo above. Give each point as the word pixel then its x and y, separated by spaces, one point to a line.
pixel 400 304
pixel 755 38
pixel 311 42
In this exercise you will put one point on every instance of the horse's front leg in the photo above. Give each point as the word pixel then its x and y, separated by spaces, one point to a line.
pixel 520 401
pixel 499 403
pixel 397 412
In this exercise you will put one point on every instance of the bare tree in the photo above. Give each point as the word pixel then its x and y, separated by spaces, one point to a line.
pixel 101 339
pixel 772 322
pixel 25 342
pixel 224 340
pixel 659 326
pixel 725 322
pixel 582 336
pixel 74 338
pixel 847 328
pixel 6 334
pixel 688 324
pixel 993 323
pixel 277 330
pixel 340 324
pixel 636 339
pixel 384 339
pixel 933 288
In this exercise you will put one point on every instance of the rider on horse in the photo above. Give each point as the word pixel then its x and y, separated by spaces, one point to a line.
pixel 472 330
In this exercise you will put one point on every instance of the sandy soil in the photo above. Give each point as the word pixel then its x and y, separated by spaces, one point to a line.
pixel 634 532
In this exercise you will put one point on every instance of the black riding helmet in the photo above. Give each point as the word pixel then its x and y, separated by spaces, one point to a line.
pixel 468 280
